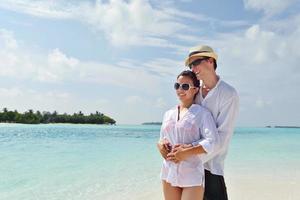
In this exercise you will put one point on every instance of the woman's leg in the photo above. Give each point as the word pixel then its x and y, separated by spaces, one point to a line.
pixel 192 193
pixel 170 192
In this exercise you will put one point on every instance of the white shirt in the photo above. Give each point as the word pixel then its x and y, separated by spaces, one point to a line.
pixel 223 102
pixel 196 125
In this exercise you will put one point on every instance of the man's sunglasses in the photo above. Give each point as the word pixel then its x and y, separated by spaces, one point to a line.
pixel 183 86
pixel 196 62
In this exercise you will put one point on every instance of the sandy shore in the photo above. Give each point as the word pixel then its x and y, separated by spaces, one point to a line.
pixel 262 187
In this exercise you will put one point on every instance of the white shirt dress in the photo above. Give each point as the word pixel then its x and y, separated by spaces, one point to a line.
pixel 197 125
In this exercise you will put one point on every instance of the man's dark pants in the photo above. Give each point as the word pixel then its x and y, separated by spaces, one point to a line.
pixel 215 188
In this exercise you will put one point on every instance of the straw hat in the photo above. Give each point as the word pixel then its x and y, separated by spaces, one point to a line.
pixel 200 52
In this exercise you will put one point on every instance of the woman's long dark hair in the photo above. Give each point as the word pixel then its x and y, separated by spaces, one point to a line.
pixel 192 76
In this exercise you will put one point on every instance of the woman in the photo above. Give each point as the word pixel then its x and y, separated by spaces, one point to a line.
pixel 186 124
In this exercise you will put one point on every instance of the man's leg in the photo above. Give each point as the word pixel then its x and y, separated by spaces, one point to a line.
pixel 215 188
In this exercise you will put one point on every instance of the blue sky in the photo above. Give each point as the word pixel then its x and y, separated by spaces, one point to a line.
pixel 122 57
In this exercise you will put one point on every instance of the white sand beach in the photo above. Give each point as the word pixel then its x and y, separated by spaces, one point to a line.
pixel 269 187
pixel 277 184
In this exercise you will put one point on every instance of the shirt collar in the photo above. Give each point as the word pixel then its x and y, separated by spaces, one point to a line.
pixel 217 84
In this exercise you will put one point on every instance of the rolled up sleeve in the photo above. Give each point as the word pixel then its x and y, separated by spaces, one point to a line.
pixel 208 132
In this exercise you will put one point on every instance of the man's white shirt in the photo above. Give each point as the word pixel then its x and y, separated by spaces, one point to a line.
pixel 223 102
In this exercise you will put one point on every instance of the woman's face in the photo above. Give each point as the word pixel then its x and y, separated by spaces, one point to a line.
pixel 183 94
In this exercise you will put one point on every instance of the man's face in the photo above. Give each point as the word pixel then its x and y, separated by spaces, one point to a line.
pixel 201 67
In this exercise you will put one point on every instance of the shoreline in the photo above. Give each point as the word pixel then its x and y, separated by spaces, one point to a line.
pixel 57 124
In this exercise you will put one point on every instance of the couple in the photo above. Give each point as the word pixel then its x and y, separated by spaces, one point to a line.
pixel 195 135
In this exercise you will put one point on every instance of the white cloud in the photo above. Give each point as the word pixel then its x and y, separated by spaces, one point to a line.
pixel 24 63
pixel 7 39
pixel 116 75
pixel 32 99
pixel 260 103
pixel 233 23
pixel 160 103
pixel 56 57
pixel 269 7
pixel 134 22
pixel 133 100
pixel 163 67
pixel 58 67
pixel 187 15
pixel 11 93
pixel 259 50
pixel 262 61
pixel 14 62
pixel 49 9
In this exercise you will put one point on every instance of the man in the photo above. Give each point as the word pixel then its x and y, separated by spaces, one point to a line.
pixel 223 101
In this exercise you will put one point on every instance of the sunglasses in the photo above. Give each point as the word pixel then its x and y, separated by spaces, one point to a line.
pixel 183 86
pixel 196 62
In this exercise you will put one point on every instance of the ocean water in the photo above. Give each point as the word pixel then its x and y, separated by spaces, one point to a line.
pixel 88 162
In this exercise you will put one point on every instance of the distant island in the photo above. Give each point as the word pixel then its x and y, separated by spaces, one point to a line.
pixel 45 117
pixel 152 123
pixel 282 126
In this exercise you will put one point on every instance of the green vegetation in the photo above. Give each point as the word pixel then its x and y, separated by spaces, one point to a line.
pixel 31 117
pixel 282 126
pixel 151 123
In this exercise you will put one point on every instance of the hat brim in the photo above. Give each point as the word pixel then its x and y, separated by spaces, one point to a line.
pixel 194 57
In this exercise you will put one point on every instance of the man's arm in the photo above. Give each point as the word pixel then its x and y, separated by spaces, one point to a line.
pixel 184 151
pixel 225 125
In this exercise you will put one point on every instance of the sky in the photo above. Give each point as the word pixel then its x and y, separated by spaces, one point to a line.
pixel 121 57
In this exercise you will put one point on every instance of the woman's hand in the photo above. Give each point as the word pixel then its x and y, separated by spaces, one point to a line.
pixel 179 153
pixel 164 147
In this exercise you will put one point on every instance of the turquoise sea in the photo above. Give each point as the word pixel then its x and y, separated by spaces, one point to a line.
pixel 88 162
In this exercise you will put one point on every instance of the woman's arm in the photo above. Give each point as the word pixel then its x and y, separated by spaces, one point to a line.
pixel 163 145
pixel 207 144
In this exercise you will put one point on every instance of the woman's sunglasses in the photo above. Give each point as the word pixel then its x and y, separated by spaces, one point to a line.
pixel 183 86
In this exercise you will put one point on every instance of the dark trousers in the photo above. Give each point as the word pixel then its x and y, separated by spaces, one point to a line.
pixel 215 188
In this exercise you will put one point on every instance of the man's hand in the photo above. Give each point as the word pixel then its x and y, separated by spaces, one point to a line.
pixel 164 147
pixel 179 153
